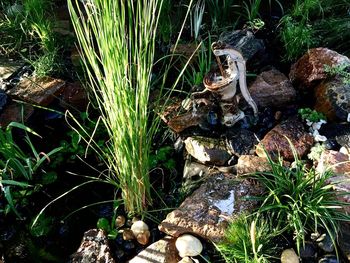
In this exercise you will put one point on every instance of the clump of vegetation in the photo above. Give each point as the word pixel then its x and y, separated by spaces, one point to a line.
pixel 301 201
pixel 311 115
pixel 249 239
pixel 342 71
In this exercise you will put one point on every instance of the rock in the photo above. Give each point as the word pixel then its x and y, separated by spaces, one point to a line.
pixel 340 132
pixel 74 96
pixel 344 239
pixel 162 251
pixel 207 150
pixel 248 164
pixel 143 238
pixel 14 112
pixel 37 90
pixel 128 234
pixel 207 211
pixel 333 99
pixel 139 227
pixel 310 68
pixel 289 256
pixel 325 243
pixel 120 221
pixel 272 89
pixel 275 141
pixel 188 246
pixel 3 99
pixel 243 41
pixel 336 161
pixel 192 170
pixel 241 141
pixel 186 260
pixel 93 248
pixel 8 68
pixel 308 251
pixel 329 259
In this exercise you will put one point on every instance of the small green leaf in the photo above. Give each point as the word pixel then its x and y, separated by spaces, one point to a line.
pixel 103 224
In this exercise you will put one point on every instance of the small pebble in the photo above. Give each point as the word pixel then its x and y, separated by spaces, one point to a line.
pixel 120 221
pixel 188 246
pixel 289 256
pixel 128 234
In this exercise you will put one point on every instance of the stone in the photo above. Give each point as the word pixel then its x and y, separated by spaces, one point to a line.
pixel 3 99
pixel 139 227
pixel 37 90
pixel 248 164
pixel 329 259
pixel 310 68
pixel 275 141
pixel 8 68
pixel 308 251
pixel 143 238
pixel 15 112
pixel 193 170
pixel 188 246
pixel 243 41
pixel 336 161
pixel 128 234
pixel 340 132
pixel 344 239
pixel 207 150
pixel 333 99
pixel 325 243
pixel 186 260
pixel 241 141
pixel 120 221
pixel 207 211
pixel 289 256
pixel 74 96
pixel 272 89
pixel 162 251
pixel 94 248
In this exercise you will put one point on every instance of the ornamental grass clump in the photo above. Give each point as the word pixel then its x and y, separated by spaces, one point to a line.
pixel 300 200
pixel 117 43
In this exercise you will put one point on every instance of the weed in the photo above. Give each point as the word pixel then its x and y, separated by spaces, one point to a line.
pixel 311 115
pixel 248 239
pixel 196 18
pixel 342 71
pixel 300 201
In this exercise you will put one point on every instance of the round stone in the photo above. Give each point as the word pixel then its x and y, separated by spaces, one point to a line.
pixel 139 227
pixel 188 246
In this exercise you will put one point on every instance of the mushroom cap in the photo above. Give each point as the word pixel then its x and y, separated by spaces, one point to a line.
pixel 188 246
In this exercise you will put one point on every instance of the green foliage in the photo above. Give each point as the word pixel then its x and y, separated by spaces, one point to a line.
pixel 342 71
pixel 162 157
pixel 221 13
pixel 43 226
pixel 300 201
pixel 311 115
pixel 17 167
pixel 316 151
pixel 249 240
pixel 103 224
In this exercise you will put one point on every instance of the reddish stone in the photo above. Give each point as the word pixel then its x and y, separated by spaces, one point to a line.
pixel 17 112
pixel 276 143
pixel 74 96
pixel 310 68
pixel 248 164
pixel 338 162
pixel 272 89
pixel 37 90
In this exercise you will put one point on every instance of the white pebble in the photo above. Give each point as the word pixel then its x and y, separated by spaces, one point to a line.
pixel 188 246
pixel 139 227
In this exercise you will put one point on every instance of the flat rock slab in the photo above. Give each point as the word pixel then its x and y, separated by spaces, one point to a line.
pixel 40 91
pixel 207 211
pixel 275 141
pixel 248 164
pixel 15 112
pixel 162 251
pixel 8 67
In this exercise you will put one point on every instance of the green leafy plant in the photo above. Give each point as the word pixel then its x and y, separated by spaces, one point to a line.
pixel 248 239
pixel 196 18
pixel 342 71
pixel 311 115
pixel 161 157
pixel 17 168
pixel 220 12
pixel 300 201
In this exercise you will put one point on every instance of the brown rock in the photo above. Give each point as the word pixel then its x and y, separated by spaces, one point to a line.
pixel 333 99
pixel 248 164
pixel 94 248
pixel 309 69
pixel 14 112
pixel 272 89
pixel 275 141
pixel 8 67
pixel 40 91
pixel 128 234
pixel 344 239
pixel 207 211
pixel 162 251
pixel 143 238
pixel 336 161
pixel 74 96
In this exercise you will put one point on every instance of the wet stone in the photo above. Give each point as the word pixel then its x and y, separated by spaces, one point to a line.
pixel 344 239
pixel 40 91
pixel 241 141
pixel 272 89
pixel 248 164
pixel 275 141
pixel 207 150
pixel 308 251
pixel 207 211
pixel 8 68
pixel 93 248
pixel 162 251
pixel 310 68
